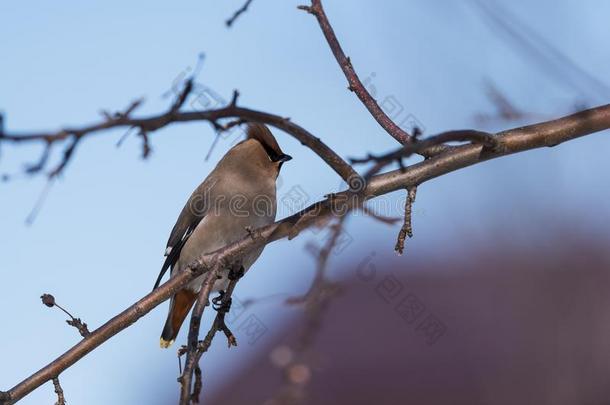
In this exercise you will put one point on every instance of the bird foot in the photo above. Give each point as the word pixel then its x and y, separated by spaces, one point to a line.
pixel 223 305
pixel 236 274
pixel 220 304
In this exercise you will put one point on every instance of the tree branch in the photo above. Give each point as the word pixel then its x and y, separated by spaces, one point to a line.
pixel 196 349
pixel 193 336
pixel 355 84
pixel 155 122
pixel 516 140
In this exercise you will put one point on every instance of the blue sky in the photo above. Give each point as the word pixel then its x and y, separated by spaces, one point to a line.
pixel 97 243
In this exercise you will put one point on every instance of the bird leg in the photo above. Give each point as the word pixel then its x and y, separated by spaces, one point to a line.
pixel 236 273
pixel 222 304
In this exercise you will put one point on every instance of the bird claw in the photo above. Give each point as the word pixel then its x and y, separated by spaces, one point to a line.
pixel 219 305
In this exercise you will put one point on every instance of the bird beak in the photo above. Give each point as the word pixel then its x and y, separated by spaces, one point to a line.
pixel 284 158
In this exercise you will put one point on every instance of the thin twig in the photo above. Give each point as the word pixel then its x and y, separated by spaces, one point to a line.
pixel 407 226
pixel 489 142
pixel 29 220
pixel 381 218
pixel 220 128
pixel 146 149
pixel 234 98
pixel 42 162
pixel 355 84
pixel 197 386
pixel 181 352
pixel 212 146
pixel 68 152
pixel 49 301
pixel 183 95
pixel 238 13
pixel 61 400
pixel 536 48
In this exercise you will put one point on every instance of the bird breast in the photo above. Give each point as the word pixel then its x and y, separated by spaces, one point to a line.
pixel 236 206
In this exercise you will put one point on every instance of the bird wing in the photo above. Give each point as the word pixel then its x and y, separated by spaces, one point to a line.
pixel 193 212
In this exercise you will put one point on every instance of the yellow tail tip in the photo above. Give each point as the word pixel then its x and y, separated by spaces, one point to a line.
pixel 165 344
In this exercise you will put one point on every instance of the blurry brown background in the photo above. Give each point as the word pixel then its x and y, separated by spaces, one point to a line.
pixel 522 325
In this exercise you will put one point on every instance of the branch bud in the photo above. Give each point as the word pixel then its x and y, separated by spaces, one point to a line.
pixel 48 300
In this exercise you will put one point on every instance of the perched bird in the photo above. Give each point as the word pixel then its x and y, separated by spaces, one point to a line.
pixel 237 196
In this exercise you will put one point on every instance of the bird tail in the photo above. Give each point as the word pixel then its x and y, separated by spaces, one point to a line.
pixel 179 307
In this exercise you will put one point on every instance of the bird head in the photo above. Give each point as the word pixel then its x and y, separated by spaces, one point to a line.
pixel 263 135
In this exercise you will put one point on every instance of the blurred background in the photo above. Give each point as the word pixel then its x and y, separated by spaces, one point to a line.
pixel 500 297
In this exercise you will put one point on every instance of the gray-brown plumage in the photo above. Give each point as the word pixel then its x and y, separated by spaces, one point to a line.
pixel 237 195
